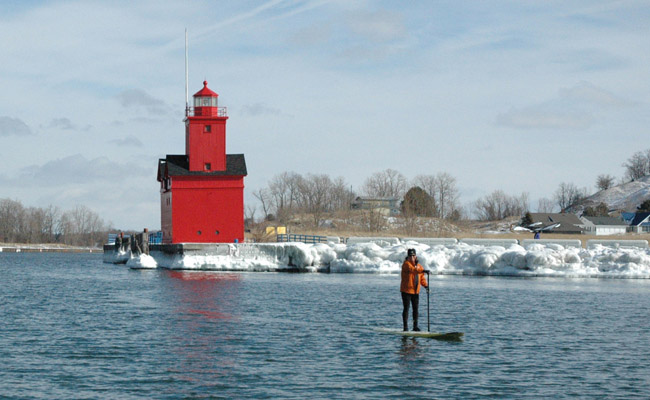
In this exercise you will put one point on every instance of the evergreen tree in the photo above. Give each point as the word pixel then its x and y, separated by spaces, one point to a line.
pixel 601 210
pixel 527 219
pixel 418 202
pixel 644 207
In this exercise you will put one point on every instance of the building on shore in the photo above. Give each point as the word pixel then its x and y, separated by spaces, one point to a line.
pixel 202 191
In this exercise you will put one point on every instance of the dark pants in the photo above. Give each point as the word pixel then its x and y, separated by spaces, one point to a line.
pixel 406 300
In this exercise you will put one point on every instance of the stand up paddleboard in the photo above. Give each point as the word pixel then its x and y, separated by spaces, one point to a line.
pixel 432 335
pixel 452 336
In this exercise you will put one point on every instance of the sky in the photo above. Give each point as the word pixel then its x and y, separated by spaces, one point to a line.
pixel 509 95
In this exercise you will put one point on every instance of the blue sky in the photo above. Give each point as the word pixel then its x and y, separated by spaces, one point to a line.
pixel 516 96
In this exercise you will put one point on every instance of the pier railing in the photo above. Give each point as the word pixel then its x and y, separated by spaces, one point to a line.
pixel 207 111
pixel 311 239
pixel 154 237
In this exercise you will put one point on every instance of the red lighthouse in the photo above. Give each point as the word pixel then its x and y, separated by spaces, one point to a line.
pixel 202 191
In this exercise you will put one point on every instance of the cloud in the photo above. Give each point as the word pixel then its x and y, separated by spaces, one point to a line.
pixel 259 109
pixel 137 98
pixel 532 118
pixel 588 93
pixel 360 36
pixel 378 26
pixel 575 107
pixel 66 125
pixel 76 169
pixel 129 141
pixel 367 54
pixel 14 126
pixel 371 37
pixel 62 123
pixel 312 35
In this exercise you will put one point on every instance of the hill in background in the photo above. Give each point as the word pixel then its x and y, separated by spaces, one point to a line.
pixel 624 197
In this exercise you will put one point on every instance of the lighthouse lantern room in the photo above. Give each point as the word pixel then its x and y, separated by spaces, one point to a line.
pixel 202 191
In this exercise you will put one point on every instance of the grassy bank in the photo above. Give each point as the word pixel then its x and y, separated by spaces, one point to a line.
pixel 429 228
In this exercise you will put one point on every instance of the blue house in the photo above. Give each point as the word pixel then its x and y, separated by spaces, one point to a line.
pixel 640 223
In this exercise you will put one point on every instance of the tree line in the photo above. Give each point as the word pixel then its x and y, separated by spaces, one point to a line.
pixel 77 227
pixel 498 205
pixel 289 193
pixel 433 195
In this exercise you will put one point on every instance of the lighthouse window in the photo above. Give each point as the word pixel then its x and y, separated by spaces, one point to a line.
pixel 205 101
pixel 207 128
pixel 208 166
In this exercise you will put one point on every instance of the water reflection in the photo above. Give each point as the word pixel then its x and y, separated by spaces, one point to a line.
pixel 410 349
pixel 210 295
pixel 203 325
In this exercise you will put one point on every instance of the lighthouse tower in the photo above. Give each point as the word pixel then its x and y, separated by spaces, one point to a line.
pixel 202 191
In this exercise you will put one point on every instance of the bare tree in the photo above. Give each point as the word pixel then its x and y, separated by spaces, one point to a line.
pixel 564 195
pixel 372 220
pixel 387 183
pixel 265 199
pixel 315 195
pixel 442 188
pixel 34 224
pixel 568 194
pixel 638 165
pixel 82 227
pixel 446 194
pixel 522 204
pixel 249 214
pixel 490 207
pixel 11 215
pixel 604 182
pixel 79 226
pixel 545 205
pixel 51 219
pixel 341 195
pixel 284 191
pixel 498 205
pixel 427 183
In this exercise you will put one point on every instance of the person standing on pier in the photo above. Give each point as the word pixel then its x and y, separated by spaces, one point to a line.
pixel 119 239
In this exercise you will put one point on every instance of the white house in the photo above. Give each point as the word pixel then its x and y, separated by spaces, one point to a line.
pixel 385 205
pixel 604 226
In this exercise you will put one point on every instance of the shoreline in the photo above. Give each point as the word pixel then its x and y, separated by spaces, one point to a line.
pixel 36 249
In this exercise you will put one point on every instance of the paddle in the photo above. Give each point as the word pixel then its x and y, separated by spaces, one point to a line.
pixel 428 323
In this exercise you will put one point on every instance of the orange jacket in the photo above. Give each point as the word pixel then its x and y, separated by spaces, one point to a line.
pixel 412 278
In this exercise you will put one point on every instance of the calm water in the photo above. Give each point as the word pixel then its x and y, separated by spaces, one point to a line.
pixel 73 327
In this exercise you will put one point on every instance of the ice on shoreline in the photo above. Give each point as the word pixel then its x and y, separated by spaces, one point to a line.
pixel 143 261
pixel 461 258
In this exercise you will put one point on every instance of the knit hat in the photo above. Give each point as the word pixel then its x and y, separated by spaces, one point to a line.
pixel 410 252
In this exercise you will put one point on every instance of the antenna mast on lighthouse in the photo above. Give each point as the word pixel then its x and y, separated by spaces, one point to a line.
pixel 187 96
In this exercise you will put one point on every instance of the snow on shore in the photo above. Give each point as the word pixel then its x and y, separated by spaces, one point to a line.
pixel 461 258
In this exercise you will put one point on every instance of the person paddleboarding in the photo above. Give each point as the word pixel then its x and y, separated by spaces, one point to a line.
pixel 412 279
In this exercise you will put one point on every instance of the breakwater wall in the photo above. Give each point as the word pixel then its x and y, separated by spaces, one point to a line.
pixel 384 255
pixel 234 256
